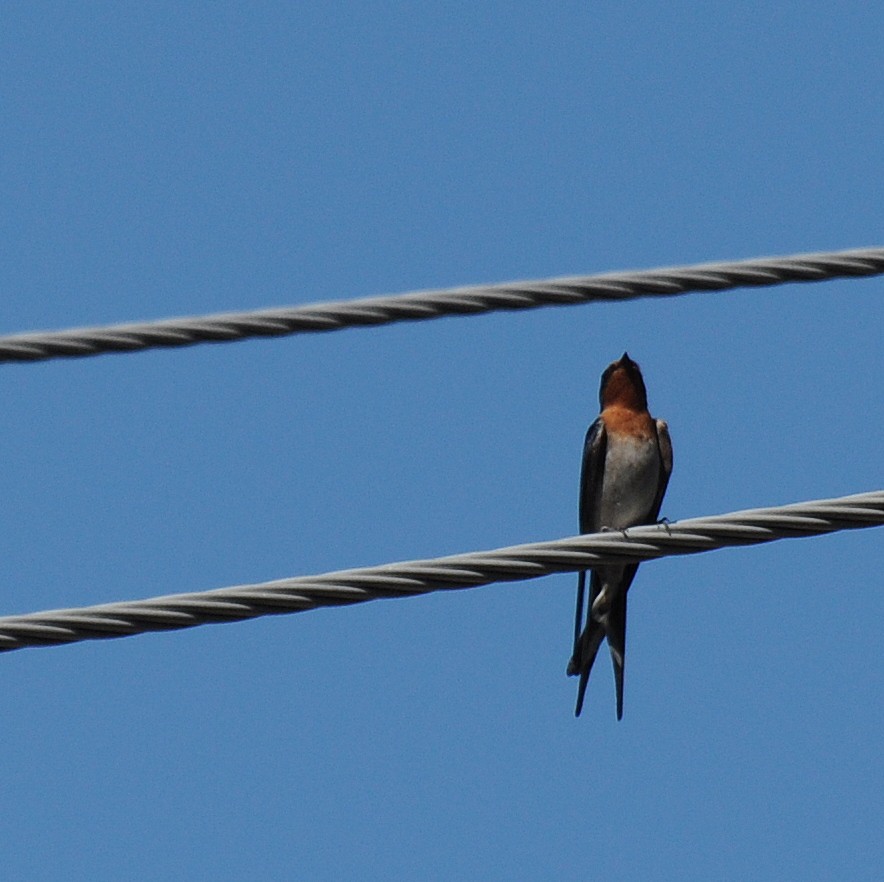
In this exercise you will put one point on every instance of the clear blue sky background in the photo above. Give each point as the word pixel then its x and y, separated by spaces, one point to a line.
pixel 168 159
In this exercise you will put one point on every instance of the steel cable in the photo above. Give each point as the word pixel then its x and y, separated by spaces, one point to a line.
pixel 457 571
pixel 423 305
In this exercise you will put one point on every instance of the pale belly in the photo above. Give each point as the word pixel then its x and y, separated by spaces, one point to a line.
pixel 631 477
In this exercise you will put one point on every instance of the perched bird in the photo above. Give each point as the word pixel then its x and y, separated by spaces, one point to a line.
pixel 627 460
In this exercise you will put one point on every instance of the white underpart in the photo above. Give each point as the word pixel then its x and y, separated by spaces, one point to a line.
pixel 629 488
pixel 631 476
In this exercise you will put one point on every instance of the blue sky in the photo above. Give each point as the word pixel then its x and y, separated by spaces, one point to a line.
pixel 170 159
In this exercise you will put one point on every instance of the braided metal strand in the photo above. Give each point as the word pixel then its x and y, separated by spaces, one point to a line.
pixel 424 305
pixel 457 571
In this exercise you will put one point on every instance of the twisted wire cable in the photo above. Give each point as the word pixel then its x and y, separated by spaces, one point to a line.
pixel 457 571
pixel 423 305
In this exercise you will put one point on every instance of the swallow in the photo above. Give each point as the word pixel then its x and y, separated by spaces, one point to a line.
pixel 627 461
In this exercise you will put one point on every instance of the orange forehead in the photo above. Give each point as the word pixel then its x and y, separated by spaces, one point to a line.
pixel 625 387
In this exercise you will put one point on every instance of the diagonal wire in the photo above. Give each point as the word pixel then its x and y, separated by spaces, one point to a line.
pixel 457 571
pixel 423 305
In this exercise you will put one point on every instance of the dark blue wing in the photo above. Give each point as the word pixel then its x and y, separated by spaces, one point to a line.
pixel 664 444
pixel 591 472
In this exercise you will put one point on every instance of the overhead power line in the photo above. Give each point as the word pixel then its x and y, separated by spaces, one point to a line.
pixel 457 571
pixel 422 305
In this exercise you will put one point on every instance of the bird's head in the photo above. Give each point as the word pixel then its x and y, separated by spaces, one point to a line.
pixel 622 384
